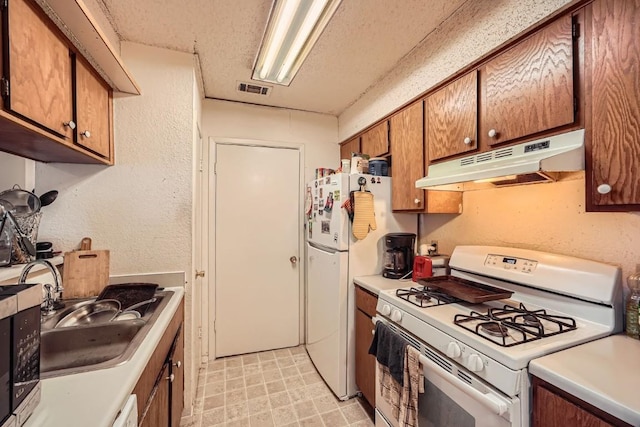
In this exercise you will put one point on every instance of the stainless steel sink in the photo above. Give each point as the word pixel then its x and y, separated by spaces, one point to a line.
pixel 74 349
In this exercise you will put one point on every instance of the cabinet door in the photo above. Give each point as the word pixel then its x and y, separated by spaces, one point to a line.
pixel 38 69
pixel 407 142
pixel 176 361
pixel 352 146
pixel 529 88
pixel 375 141
pixel 552 410
pixel 365 363
pixel 612 63
pixel 451 118
pixel 93 106
pixel 157 411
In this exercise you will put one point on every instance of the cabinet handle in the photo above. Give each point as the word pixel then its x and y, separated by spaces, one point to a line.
pixel 417 201
pixel 171 378
pixel 604 189
pixel 86 134
pixel 373 332
pixel 492 133
pixel 467 140
pixel 71 124
pixel 177 364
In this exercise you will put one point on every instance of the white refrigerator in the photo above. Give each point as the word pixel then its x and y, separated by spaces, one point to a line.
pixel 334 258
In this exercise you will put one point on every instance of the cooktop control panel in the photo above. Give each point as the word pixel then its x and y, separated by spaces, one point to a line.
pixel 511 263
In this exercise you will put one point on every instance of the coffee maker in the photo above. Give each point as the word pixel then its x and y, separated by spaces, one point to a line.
pixel 398 255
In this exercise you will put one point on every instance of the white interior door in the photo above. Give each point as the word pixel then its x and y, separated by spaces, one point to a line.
pixel 257 229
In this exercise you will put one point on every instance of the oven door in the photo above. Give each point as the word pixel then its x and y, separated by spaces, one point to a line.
pixel 450 401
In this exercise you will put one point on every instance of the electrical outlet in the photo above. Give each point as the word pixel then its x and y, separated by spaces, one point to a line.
pixel 434 244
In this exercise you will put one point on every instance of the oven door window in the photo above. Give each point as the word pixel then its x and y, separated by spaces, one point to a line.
pixel 449 401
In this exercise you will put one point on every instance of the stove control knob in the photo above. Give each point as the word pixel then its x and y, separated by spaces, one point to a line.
pixel 474 363
pixel 453 350
pixel 396 316
pixel 386 310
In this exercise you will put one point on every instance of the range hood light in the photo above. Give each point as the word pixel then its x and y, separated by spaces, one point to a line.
pixel 496 179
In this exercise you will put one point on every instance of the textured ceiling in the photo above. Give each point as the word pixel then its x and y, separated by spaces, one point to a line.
pixel 362 43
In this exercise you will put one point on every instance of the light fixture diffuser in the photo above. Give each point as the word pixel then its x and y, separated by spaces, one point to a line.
pixel 294 27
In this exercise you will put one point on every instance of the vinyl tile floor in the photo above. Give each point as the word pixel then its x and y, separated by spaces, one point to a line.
pixel 270 388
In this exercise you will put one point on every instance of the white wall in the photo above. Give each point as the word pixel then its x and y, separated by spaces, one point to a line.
pixel 547 217
pixel 140 208
pixel 318 132
pixel 17 170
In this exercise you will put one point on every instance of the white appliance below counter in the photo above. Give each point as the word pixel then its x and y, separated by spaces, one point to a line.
pixel 334 258
pixel 476 355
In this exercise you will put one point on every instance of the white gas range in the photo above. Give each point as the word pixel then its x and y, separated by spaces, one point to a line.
pixel 476 354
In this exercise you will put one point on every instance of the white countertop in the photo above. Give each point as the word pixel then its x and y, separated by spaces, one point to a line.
pixel 377 283
pixel 95 398
pixel 603 373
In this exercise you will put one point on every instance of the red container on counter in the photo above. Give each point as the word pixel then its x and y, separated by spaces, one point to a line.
pixel 422 267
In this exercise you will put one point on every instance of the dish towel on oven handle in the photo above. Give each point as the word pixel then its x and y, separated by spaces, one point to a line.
pixel 396 358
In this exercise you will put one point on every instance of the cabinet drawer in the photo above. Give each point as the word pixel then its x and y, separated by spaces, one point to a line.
pixel 366 301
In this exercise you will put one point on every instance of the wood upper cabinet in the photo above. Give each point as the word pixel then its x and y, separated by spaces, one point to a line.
pixel 451 118
pixel 613 105
pixel 37 69
pixel 351 146
pixel 365 363
pixel 529 88
pixel 55 107
pixel 553 407
pixel 93 106
pixel 375 141
pixel 406 131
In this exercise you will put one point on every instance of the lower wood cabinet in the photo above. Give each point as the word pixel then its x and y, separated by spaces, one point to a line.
pixel 553 407
pixel 160 389
pixel 365 363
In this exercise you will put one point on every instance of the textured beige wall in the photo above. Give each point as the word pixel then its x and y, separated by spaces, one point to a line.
pixel 546 217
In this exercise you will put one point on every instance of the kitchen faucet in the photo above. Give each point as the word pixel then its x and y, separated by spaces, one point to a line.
pixel 52 292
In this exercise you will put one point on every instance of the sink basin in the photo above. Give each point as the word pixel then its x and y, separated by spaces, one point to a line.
pixel 81 347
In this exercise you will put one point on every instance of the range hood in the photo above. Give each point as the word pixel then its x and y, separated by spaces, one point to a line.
pixel 529 162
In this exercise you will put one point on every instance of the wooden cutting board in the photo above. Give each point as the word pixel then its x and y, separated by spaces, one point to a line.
pixel 86 271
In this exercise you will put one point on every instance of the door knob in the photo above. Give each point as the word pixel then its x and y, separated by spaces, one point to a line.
pixel 199 273
pixel 293 260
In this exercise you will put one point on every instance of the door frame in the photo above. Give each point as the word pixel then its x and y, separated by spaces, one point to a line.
pixel 209 216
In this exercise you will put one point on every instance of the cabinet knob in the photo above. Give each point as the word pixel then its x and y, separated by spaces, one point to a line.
pixel 492 133
pixel 293 260
pixel 171 378
pixel 604 189
pixel 417 201
pixel 86 134
pixel 177 364
pixel 71 124
pixel 467 140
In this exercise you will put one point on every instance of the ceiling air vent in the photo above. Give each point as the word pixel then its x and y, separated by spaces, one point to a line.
pixel 254 89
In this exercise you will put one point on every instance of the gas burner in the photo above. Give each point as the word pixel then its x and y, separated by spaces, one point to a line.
pixel 424 296
pixel 494 329
pixel 531 320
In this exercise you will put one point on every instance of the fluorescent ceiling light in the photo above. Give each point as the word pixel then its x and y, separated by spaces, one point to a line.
pixel 294 27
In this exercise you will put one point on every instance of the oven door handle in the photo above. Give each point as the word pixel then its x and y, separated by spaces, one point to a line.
pixel 490 401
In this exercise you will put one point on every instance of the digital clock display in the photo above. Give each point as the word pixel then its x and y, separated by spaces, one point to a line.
pixel 511 261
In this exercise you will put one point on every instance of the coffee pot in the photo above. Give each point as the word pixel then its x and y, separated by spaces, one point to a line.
pixel 398 255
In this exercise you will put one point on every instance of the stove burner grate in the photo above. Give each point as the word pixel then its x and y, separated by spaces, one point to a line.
pixel 509 326
pixel 425 296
